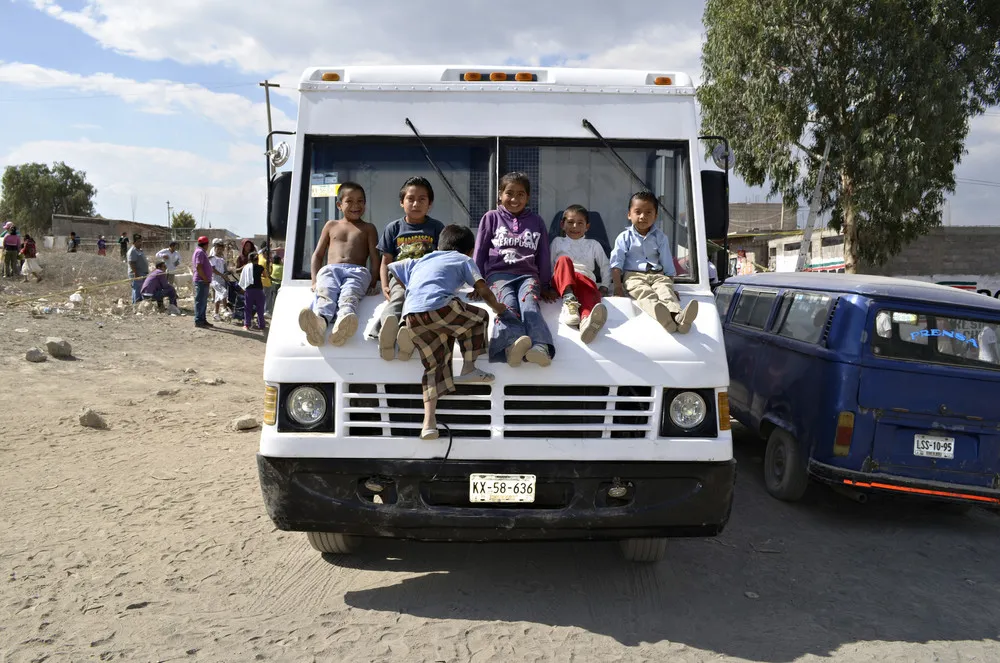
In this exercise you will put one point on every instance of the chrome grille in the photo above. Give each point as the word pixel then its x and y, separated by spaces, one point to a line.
pixel 574 411
pixel 397 410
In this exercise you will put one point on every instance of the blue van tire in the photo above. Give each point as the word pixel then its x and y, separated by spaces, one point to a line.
pixel 644 550
pixel 333 543
pixel 785 473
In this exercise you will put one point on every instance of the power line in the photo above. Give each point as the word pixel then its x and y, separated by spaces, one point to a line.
pixel 964 180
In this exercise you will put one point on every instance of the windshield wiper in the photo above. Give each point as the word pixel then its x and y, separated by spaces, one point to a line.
pixel 430 160
pixel 621 162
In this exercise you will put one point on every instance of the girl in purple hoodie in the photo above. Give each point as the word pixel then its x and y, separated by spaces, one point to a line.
pixel 512 253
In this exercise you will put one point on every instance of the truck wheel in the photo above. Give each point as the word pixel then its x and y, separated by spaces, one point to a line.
pixel 785 475
pixel 644 550
pixel 330 542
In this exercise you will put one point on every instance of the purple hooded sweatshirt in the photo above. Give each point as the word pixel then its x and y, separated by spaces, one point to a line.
pixel 507 244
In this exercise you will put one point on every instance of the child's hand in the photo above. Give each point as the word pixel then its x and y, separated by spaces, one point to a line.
pixel 619 290
pixel 373 289
pixel 499 309
pixel 313 286
pixel 604 291
pixel 385 291
pixel 549 294
pixel 474 297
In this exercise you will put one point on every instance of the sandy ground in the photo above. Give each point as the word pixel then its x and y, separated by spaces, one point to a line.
pixel 149 542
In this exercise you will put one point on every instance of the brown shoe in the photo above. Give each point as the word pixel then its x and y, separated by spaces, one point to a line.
pixel 517 350
pixel 686 317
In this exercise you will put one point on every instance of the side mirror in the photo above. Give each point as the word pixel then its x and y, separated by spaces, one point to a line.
pixel 278 192
pixel 715 193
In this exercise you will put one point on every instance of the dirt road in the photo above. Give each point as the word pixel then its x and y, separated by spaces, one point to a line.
pixel 149 542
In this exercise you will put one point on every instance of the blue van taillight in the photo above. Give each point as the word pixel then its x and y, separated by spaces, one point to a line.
pixel 679 413
pixel 845 432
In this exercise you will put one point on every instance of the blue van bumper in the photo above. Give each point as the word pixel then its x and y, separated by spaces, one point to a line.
pixel 571 499
pixel 936 490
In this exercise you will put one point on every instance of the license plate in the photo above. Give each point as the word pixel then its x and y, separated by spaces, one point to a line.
pixel 932 446
pixel 502 488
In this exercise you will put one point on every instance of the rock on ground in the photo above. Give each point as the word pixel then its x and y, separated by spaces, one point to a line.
pixel 90 419
pixel 245 423
pixel 58 347
pixel 35 355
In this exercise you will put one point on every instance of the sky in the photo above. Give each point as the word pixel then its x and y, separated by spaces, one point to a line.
pixel 159 101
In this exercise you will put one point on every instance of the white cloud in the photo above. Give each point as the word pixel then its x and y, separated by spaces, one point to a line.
pixel 289 36
pixel 234 187
pixel 234 112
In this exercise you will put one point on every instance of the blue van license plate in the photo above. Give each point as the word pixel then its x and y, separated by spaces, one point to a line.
pixel 932 446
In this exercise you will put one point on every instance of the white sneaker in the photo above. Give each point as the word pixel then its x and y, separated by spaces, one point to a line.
pixel 570 313
pixel 216 317
pixel 538 354
pixel 313 325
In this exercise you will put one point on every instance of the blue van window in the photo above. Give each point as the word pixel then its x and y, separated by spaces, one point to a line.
pixel 723 298
pixel 754 308
pixel 803 316
pixel 936 339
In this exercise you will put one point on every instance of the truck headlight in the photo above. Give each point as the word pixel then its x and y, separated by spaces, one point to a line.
pixel 688 410
pixel 306 406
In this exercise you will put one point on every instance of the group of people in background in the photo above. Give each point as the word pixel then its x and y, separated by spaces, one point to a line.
pixel 20 254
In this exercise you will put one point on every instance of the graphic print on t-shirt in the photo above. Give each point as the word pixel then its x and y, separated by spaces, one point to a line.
pixel 413 246
pixel 505 241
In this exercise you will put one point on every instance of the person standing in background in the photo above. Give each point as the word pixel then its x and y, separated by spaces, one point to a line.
pixel 123 246
pixel 138 267
pixel 102 246
pixel 201 268
pixel 171 257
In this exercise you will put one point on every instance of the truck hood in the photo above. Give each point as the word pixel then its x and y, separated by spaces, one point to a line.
pixel 632 349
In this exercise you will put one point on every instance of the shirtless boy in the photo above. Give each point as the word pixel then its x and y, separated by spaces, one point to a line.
pixel 339 276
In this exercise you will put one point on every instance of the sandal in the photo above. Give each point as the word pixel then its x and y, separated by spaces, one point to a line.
pixel 476 375
pixel 429 434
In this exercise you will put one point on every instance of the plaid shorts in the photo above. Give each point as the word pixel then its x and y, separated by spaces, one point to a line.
pixel 434 336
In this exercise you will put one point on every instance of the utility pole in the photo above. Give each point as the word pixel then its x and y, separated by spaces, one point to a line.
pixel 267 85
pixel 807 233
pixel 169 217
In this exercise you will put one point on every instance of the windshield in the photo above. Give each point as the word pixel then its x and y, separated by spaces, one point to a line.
pixel 936 339
pixel 562 173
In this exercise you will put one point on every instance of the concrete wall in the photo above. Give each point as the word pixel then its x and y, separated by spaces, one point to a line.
pixel 948 250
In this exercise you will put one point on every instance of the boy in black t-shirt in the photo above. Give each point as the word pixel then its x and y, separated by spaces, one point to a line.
pixel 413 236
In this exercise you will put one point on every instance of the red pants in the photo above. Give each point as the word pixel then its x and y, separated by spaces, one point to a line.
pixel 564 276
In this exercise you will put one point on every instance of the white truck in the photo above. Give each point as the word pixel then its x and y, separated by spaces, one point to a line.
pixel 626 438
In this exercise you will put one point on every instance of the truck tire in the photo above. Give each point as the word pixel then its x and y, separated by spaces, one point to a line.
pixel 643 550
pixel 785 474
pixel 333 543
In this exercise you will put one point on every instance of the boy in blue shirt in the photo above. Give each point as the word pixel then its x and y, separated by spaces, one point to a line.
pixel 436 317
pixel 643 253
pixel 413 236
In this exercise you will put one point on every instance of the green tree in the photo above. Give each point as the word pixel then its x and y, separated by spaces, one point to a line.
pixel 890 84
pixel 33 192
pixel 183 219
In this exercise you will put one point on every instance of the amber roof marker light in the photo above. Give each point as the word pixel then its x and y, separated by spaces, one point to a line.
pixel 331 76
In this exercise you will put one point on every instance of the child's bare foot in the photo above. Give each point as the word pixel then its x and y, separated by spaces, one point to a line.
pixel 404 339
pixel 387 338
pixel 685 318
pixel 476 375
pixel 593 323
pixel 517 350
pixel 313 325
pixel 344 328
pixel 538 354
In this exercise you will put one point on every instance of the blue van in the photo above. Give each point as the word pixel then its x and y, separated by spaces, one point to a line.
pixel 867 383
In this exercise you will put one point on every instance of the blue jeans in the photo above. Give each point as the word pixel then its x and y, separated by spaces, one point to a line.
pixel 520 294
pixel 200 302
pixel 136 287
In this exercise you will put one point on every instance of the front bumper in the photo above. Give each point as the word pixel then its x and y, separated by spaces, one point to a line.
pixel 572 501
pixel 876 481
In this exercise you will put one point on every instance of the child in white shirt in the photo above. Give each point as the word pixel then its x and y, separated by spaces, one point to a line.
pixel 575 261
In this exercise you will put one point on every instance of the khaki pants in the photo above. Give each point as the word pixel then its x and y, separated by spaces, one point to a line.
pixel 647 289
